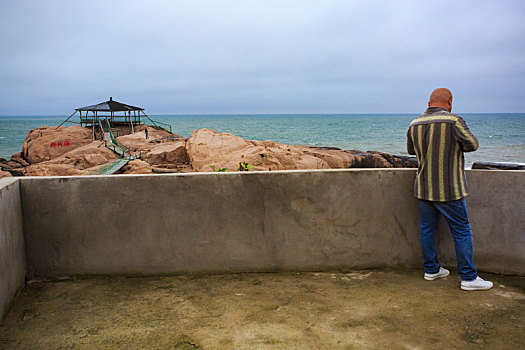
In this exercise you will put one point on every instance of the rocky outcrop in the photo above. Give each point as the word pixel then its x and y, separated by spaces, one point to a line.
pixel 374 159
pixel 498 166
pixel 15 166
pixel 206 147
pixel 5 174
pixel 48 143
pixel 163 152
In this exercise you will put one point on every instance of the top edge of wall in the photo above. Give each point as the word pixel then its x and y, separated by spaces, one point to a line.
pixel 240 173
pixel 230 173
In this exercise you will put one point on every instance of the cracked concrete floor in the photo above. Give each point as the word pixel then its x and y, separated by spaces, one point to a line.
pixel 366 309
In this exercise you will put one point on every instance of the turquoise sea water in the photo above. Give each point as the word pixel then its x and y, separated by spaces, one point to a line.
pixel 501 136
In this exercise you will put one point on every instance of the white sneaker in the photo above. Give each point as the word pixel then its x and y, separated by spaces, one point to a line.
pixel 477 284
pixel 440 274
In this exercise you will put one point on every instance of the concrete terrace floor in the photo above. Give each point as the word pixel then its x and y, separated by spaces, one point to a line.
pixel 365 309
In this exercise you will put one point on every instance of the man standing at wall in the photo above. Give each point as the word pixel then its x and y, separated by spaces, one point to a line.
pixel 439 138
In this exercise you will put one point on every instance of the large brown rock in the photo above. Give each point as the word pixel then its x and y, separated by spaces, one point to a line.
pixel 207 147
pixel 46 143
pixel 80 161
pixel 168 153
pixel 137 166
pixel 334 158
pixel 161 148
pixel 87 156
pixel 49 169
pixel 393 161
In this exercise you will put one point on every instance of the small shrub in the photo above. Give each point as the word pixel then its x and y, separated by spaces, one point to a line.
pixel 244 166
pixel 218 170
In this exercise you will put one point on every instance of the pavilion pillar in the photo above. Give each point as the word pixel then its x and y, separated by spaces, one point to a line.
pixel 129 116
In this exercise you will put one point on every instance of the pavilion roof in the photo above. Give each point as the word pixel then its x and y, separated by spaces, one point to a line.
pixel 110 106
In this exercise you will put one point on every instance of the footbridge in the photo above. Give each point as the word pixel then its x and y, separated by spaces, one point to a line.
pixel 111 143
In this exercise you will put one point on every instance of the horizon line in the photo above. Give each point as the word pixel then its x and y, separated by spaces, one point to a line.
pixel 258 114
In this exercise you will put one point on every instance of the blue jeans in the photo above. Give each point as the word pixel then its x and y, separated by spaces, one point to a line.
pixel 457 218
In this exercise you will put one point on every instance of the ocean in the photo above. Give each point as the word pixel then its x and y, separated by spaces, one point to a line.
pixel 501 136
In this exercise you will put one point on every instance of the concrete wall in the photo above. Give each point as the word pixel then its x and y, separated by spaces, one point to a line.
pixel 12 253
pixel 256 221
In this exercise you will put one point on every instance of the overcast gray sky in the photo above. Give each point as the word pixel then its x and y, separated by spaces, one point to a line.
pixel 261 56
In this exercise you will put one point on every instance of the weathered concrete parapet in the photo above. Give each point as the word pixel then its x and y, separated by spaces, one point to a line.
pixel 12 252
pixel 256 221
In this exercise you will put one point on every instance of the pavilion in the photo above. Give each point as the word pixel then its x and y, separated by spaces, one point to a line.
pixel 111 115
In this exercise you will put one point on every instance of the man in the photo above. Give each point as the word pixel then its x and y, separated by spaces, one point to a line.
pixel 439 138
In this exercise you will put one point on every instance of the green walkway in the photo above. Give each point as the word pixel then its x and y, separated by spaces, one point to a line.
pixel 117 147
pixel 115 166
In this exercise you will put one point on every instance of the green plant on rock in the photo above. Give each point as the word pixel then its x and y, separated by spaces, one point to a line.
pixel 244 166
pixel 218 170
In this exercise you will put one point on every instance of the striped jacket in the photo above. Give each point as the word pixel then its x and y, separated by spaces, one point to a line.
pixel 439 138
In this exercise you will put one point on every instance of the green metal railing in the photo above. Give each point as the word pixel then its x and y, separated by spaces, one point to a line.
pixel 167 125
pixel 157 122
pixel 117 147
